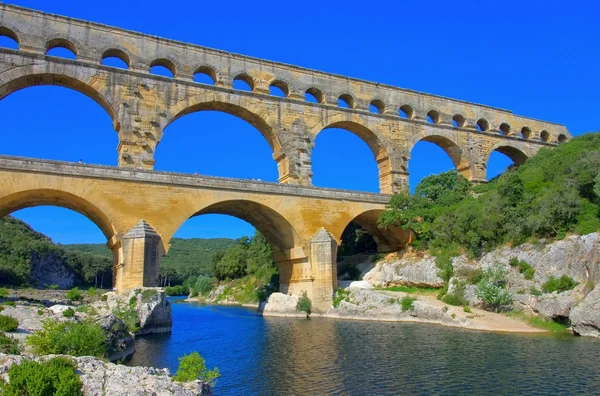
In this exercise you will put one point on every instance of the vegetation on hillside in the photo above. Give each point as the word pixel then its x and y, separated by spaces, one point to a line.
pixel 554 193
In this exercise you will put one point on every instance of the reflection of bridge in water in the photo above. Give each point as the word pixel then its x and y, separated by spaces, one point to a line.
pixel 139 210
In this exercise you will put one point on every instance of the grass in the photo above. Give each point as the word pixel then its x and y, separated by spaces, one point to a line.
pixel 538 322
pixel 407 303
pixel 412 289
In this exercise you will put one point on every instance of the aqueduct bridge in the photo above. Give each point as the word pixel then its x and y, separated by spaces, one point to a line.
pixel 139 209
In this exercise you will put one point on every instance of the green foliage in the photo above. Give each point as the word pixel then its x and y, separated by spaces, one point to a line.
pixel 8 323
pixel 74 294
pixel 524 268
pixel 559 285
pixel 83 308
pixel 492 289
pixel 407 303
pixel 538 322
pixel 304 304
pixel 104 298
pixel 356 240
pixel 412 289
pixel 467 309
pixel 202 286
pixel 128 315
pixel 193 367
pixel 68 313
pixel 9 345
pixel 148 294
pixel 535 291
pixel 554 193
pixel 10 303
pixel 246 257
pixel 179 290
pixel 92 291
pixel 340 295
pixel 475 276
pixel 69 338
pixel 55 377
pixel 457 297
pixel 53 287
pixel 3 292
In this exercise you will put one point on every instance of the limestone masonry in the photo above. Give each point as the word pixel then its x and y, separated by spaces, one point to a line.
pixel 142 105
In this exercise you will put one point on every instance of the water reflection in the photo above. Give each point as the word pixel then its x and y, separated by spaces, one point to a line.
pixel 283 356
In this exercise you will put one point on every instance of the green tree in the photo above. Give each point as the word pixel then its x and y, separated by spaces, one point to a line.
pixel 55 377
pixel 69 338
pixel 193 367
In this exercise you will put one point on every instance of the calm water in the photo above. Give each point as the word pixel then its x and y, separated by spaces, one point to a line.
pixel 282 356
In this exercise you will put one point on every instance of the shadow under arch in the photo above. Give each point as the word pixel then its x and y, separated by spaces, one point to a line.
pixel 375 143
pixel 455 152
pixel 29 76
pixel 48 197
pixel 389 239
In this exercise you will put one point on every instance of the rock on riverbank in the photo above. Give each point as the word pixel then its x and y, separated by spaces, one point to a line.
pixel 100 378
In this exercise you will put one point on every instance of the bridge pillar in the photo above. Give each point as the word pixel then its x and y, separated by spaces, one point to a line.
pixel 323 255
pixel 140 260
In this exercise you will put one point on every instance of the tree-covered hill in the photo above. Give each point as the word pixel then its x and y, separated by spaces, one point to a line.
pixel 554 193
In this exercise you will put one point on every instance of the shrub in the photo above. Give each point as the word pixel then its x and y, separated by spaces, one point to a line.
pixel 304 304
pixel 203 285
pixel 40 311
pixel 53 377
pixel 147 295
pixel 407 303
pixel 457 297
pixel 53 287
pixel 8 323
pixel 74 294
pixel 104 298
pixel 68 313
pixel 535 291
pixel 475 276
pixel 492 289
pixel 193 367
pixel 9 345
pixel 524 268
pixel 559 285
pixel 83 308
pixel 3 292
pixel 92 291
pixel 340 295
pixel 10 303
pixel 467 309
pixel 129 316
pixel 69 338
pixel 179 290
pixel 1 308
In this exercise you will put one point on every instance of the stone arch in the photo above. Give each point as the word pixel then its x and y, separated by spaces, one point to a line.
pixel 448 143
pixel 10 33
pixel 209 71
pixel 119 53
pixel 511 150
pixel 245 77
pixel 62 42
pixel 316 93
pixel 381 149
pixel 378 104
pixel 166 63
pixel 408 110
pixel 348 99
pixel 434 116
pixel 283 85
pixel 61 75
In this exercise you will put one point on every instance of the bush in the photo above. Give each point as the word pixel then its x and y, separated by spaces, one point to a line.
pixel 10 303
pixel 104 298
pixel 3 292
pixel 492 289
pixel 92 291
pixel 559 285
pixel 179 290
pixel 407 303
pixel 69 338
pixel 128 315
pixel 53 287
pixel 53 377
pixel 68 313
pixel 304 304
pixel 74 294
pixel 467 309
pixel 475 276
pixel 340 295
pixel 193 367
pixel 8 323
pixel 9 345
pixel 457 297
pixel 535 291
pixel 524 268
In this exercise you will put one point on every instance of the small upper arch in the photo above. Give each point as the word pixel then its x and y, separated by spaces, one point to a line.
pixel 166 63
pixel 433 116
pixel 6 32
pixel 314 95
pixel 562 138
pixel 377 106
pixel 483 125
pixel 117 53
pixel 504 129
pixel 279 88
pixel 458 121
pixel 245 78
pixel 346 100
pixel 406 111
pixel 61 43
pixel 208 71
pixel 525 132
pixel 544 136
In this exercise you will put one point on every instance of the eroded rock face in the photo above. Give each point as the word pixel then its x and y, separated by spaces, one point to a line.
pixel 585 317
pixel 119 340
pixel 99 378
pixel 279 304
pixel 49 269
pixel 409 270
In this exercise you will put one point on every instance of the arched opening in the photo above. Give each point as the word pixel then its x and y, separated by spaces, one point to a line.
pixel 344 156
pixel 116 58
pixel 482 125
pixel 163 67
pixel 562 138
pixel 406 111
pixel 504 129
pixel 433 117
pixel 433 155
pixel 70 127
pixel 503 157
pixel 525 132
pixel 218 139
pixel 8 39
pixel 313 95
pixel 377 106
pixel 545 136
pixel 346 101
pixel 61 48
pixel 243 82
pixel 205 75
pixel 279 88
pixel 458 121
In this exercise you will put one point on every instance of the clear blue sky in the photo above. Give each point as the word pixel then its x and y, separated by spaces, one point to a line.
pixel 537 58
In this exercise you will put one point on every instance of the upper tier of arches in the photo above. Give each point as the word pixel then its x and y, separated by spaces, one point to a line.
pixel 285 81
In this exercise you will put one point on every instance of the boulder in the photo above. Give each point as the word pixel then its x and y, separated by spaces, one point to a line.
pixel 585 317
pixel 409 270
pixel 99 378
pixel 279 304
pixel 555 306
pixel 119 340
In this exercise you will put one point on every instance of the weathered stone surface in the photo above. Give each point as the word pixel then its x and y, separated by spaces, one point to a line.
pixel 120 342
pixel 409 270
pixel 49 269
pixel 103 379
pixel 555 306
pixel 279 304
pixel 585 317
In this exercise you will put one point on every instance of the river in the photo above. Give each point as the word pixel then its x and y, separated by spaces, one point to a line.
pixel 284 356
